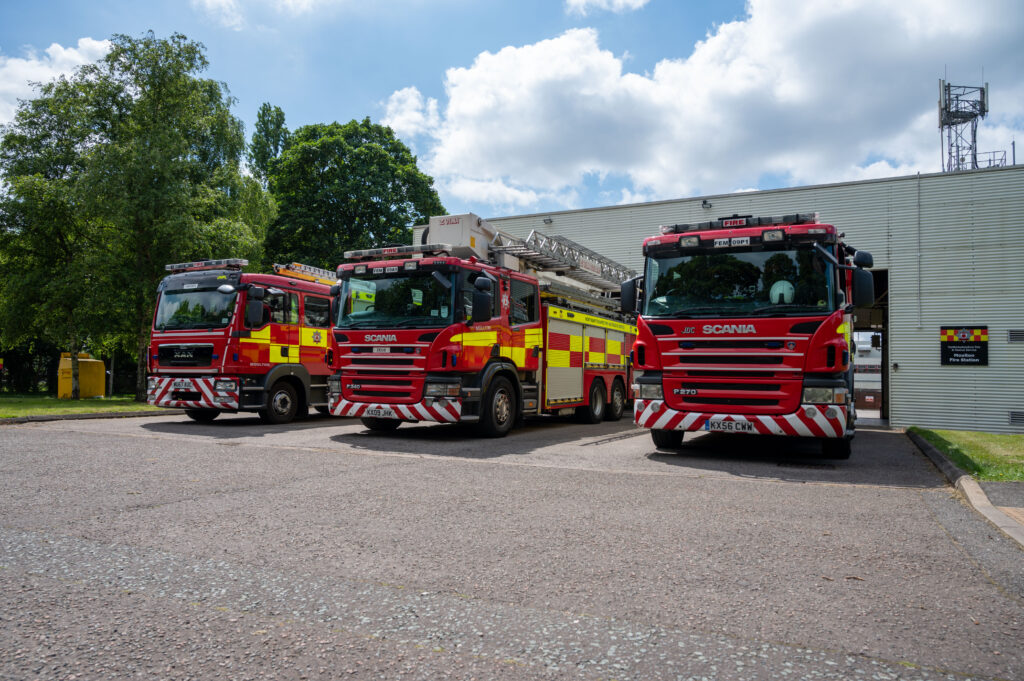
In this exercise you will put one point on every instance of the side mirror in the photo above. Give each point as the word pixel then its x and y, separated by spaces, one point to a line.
pixel 627 292
pixel 863 287
pixel 482 300
pixel 254 313
pixel 863 259
pixel 335 290
pixel 257 293
pixel 225 289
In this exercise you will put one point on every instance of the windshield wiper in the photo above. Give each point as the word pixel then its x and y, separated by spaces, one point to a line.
pixel 705 309
pixel 367 324
pixel 810 309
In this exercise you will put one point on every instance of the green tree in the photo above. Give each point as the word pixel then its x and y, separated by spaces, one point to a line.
pixel 270 138
pixel 155 157
pixel 345 186
pixel 46 243
pixel 166 180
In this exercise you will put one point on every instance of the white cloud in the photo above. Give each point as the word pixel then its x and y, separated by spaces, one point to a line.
pixel 581 7
pixel 18 73
pixel 227 13
pixel 797 92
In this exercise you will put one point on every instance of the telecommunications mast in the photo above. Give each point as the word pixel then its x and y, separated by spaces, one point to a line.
pixel 960 107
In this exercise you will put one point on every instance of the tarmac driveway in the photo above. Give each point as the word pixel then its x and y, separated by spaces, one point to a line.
pixel 163 547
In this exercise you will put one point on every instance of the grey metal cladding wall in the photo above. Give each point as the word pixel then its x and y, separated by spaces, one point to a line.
pixel 954 248
pixel 963 266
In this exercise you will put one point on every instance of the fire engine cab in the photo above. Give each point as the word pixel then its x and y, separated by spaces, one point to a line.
pixel 224 340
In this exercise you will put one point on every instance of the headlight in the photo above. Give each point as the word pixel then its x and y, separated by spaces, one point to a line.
pixel 651 391
pixel 226 386
pixel 334 384
pixel 825 395
pixel 772 235
pixel 689 242
pixel 442 389
pixel 152 383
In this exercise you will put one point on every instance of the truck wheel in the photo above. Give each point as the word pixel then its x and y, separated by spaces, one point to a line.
pixel 380 425
pixel 202 415
pixel 836 447
pixel 593 410
pixel 282 404
pixel 498 409
pixel 617 403
pixel 667 439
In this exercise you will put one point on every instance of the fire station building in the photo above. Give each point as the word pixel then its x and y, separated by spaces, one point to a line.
pixel 947 325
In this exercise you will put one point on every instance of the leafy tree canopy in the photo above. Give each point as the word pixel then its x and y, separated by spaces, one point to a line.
pixel 345 186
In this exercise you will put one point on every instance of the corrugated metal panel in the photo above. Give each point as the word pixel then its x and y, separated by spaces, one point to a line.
pixel 954 248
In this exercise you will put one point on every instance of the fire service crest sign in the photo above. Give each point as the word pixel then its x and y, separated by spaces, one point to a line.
pixel 964 345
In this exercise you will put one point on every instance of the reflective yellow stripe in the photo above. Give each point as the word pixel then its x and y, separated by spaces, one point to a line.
pixel 589 320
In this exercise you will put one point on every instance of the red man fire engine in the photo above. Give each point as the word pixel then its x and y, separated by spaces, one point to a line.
pixel 473 326
pixel 745 327
pixel 227 340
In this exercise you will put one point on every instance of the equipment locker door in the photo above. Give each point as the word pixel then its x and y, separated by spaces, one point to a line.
pixel 563 376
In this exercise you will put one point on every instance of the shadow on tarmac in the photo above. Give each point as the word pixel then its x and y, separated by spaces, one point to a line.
pixel 242 425
pixel 881 458
pixel 461 440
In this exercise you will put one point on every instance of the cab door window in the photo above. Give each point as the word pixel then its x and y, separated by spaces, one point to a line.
pixel 523 307
pixel 317 312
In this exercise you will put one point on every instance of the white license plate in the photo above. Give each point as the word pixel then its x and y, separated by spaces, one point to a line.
pixel 741 241
pixel 380 412
pixel 378 349
pixel 181 384
pixel 724 426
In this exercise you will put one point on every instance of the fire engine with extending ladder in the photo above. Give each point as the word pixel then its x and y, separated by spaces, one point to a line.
pixel 745 327
pixel 224 340
pixel 473 325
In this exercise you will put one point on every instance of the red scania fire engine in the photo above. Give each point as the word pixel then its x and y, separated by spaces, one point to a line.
pixel 227 340
pixel 745 327
pixel 473 327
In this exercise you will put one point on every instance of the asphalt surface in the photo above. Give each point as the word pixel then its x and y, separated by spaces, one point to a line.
pixel 160 548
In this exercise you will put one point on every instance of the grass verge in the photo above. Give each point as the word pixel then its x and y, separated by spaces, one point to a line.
pixel 986 456
pixel 13 406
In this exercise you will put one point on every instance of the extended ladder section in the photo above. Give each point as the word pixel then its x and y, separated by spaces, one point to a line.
pixel 562 255
pixel 576 298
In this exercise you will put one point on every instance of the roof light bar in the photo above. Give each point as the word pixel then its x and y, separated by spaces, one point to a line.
pixel 297 270
pixel 398 251
pixel 742 221
pixel 225 264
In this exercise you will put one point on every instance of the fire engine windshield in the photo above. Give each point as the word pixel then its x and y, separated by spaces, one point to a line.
pixel 199 308
pixel 739 284
pixel 410 299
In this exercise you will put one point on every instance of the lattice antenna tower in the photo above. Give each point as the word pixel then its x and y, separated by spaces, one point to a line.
pixel 960 107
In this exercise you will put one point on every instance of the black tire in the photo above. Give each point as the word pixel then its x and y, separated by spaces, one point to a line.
pixel 836 447
pixel 498 409
pixel 380 425
pixel 593 410
pixel 202 415
pixel 617 402
pixel 667 439
pixel 282 404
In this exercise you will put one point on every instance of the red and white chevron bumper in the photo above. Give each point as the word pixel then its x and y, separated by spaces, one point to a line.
pixel 162 392
pixel 441 410
pixel 810 420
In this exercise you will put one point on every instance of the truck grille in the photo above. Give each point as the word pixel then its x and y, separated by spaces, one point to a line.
pixel 185 355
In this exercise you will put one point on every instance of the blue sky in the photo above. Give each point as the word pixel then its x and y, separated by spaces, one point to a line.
pixel 522 106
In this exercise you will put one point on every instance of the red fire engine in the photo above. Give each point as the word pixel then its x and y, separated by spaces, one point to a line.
pixel 745 327
pixel 473 328
pixel 227 340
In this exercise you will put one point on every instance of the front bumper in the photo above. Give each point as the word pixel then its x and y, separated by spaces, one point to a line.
pixel 197 393
pixel 810 420
pixel 440 410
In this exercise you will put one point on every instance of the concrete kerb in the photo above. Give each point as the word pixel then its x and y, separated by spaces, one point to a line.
pixel 97 415
pixel 970 488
